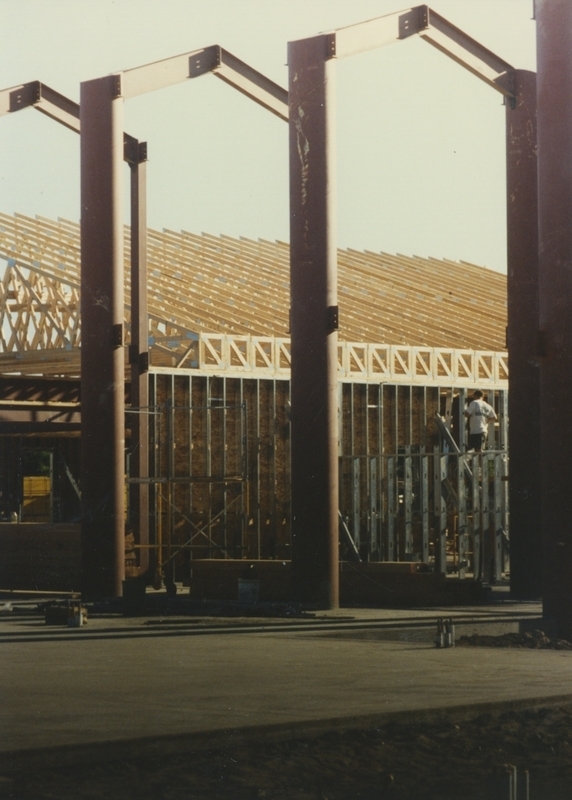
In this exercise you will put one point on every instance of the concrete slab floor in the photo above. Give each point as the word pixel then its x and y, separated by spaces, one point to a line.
pixel 21 620
pixel 110 682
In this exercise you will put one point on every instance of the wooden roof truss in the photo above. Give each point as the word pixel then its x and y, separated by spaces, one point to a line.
pixel 218 303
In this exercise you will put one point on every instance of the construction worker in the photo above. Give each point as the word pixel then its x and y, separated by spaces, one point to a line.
pixel 480 414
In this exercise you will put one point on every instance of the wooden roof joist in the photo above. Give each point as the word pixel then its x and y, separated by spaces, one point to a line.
pixel 203 286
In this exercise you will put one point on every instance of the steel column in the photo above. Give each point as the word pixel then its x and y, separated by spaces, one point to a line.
pixel 522 339
pixel 554 48
pixel 314 324
pixel 139 354
pixel 102 356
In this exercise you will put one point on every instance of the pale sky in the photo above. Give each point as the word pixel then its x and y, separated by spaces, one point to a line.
pixel 421 167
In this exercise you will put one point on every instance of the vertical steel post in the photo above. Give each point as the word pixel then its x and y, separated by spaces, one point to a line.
pixel 522 339
pixel 314 322
pixel 481 465
pixel 373 509
pixel 477 521
pixel 462 535
pixel 408 501
pixel 554 56
pixel 392 506
pixel 356 505
pixel 169 565
pixel 424 479
pixel 102 356
pixel 441 466
pixel 139 353
pixel 498 516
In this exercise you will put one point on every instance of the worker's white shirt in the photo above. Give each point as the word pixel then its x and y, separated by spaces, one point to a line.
pixel 480 414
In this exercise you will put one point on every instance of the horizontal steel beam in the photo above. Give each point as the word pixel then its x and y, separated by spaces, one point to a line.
pixel 435 30
pixel 12 428
pixel 41 405
pixel 215 59
pixel 190 479
pixel 168 72
pixel 29 415
pixel 376 32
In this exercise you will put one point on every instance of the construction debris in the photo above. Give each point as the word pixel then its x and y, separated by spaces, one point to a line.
pixel 71 613
pixel 535 639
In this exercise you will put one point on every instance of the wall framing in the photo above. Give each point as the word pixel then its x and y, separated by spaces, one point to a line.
pixel 220 467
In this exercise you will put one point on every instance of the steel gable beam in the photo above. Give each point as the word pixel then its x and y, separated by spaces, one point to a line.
pixel 167 72
pixel 253 84
pixel 467 52
pixel 215 59
pixel 37 95
pixel 17 97
pixel 58 107
pixel 377 32
pixel 432 28
pixel 61 109
pixel 344 42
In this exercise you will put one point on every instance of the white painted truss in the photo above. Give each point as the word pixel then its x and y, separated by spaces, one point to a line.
pixel 256 356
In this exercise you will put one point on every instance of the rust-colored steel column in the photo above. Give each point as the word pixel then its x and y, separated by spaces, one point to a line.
pixel 314 323
pixel 522 340
pixel 102 356
pixel 554 59
pixel 139 354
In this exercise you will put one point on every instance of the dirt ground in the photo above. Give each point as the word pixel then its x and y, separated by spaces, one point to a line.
pixel 441 759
